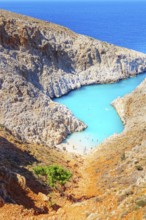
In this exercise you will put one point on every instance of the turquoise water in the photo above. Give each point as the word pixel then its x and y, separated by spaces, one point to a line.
pixel 92 105
pixel 97 19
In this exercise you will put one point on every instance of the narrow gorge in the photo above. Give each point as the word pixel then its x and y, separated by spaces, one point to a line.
pixel 40 61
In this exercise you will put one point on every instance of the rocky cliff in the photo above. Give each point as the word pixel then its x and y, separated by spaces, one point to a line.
pixel 39 61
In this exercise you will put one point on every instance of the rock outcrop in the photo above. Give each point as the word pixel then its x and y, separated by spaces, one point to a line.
pixel 7 180
pixel 39 61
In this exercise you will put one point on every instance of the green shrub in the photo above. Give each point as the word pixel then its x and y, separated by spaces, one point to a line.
pixel 55 174
pixel 40 170
pixel 141 201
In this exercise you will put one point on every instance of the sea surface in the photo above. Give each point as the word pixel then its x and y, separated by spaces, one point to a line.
pixel 92 105
pixel 121 23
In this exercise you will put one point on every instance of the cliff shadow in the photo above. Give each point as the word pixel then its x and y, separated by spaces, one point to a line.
pixel 12 162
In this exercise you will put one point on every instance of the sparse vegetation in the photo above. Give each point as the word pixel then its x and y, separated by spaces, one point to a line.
pixel 123 156
pixel 141 202
pixel 2 126
pixel 138 167
pixel 54 174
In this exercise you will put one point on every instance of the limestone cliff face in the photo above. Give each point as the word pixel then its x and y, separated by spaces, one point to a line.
pixel 39 61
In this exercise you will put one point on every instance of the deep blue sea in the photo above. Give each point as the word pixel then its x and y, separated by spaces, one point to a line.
pixel 120 23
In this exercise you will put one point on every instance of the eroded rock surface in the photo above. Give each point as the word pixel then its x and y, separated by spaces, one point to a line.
pixel 40 60
pixel 7 180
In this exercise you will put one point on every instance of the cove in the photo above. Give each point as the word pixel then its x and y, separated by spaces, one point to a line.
pixel 92 105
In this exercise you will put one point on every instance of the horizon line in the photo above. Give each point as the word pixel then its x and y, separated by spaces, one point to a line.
pixel 72 1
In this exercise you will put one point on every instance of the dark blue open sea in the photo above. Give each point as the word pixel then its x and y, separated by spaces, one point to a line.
pixel 121 23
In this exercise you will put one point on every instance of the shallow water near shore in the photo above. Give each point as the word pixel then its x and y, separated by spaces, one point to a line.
pixel 92 105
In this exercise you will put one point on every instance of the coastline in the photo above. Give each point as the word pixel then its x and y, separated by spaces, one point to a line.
pixel 81 147
pixel 69 61
pixel 40 61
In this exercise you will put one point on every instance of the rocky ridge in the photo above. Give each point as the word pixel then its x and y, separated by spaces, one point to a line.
pixel 39 61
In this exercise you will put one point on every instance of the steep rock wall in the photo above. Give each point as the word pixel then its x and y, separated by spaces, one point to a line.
pixel 39 61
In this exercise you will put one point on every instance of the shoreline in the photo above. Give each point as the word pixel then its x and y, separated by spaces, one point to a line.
pixel 74 60
pixel 76 146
